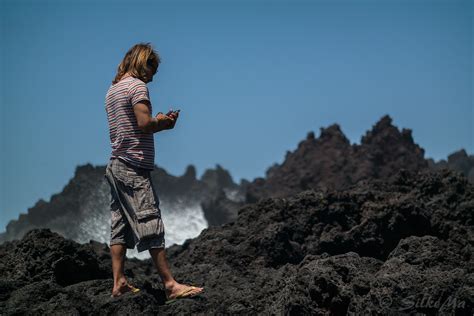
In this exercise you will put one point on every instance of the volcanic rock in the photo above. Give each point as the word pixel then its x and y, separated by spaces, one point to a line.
pixel 402 245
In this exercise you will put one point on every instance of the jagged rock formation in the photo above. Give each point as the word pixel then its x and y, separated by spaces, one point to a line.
pixel 383 246
pixel 331 162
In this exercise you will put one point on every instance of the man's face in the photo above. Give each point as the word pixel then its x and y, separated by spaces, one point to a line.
pixel 150 74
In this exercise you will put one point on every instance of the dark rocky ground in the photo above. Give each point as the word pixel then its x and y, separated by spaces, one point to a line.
pixel 403 245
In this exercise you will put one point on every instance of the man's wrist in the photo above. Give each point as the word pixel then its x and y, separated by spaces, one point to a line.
pixel 154 125
pixel 157 124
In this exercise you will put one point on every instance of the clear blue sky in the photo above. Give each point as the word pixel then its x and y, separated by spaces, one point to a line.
pixel 251 79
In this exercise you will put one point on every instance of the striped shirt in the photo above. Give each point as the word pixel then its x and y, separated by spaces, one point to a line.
pixel 127 140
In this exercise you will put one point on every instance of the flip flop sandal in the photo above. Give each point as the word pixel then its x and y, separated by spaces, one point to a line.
pixel 183 294
pixel 132 289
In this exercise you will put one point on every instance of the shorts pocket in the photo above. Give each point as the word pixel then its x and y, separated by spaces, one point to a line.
pixel 139 188
pixel 147 214
pixel 149 227
pixel 145 202
pixel 127 176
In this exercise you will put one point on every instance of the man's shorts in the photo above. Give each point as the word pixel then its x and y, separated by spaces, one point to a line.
pixel 134 206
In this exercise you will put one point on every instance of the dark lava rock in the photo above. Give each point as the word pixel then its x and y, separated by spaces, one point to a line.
pixel 381 247
pixel 331 162
pixel 222 209
pixel 43 255
pixel 398 246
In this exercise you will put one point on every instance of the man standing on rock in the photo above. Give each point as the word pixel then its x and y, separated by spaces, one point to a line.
pixel 134 205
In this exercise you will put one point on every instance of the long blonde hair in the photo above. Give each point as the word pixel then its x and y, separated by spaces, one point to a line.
pixel 140 58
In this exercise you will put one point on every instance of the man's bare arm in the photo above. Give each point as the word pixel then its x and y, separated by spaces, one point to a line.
pixel 146 122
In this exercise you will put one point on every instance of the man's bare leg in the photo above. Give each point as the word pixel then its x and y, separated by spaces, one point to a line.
pixel 118 263
pixel 172 287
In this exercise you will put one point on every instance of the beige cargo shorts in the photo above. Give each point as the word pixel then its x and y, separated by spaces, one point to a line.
pixel 134 206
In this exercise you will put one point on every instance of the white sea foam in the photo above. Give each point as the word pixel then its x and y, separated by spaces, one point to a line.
pixel 181 223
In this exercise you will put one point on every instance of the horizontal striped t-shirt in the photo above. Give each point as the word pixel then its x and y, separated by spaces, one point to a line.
pixel 127 140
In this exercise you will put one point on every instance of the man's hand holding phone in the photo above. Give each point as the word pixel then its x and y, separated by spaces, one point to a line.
pixel 169 119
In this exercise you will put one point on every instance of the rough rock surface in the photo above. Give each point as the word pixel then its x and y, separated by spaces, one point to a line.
pixel 402 245
pixel 331 162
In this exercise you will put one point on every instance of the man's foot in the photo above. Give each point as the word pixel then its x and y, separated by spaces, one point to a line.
pixel 178 289
pixel 122 287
